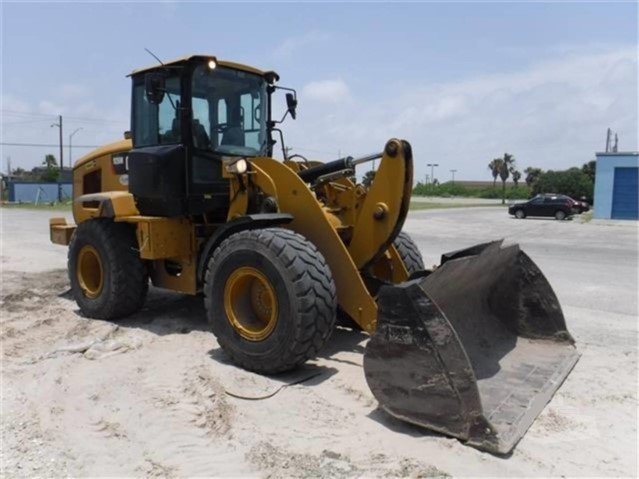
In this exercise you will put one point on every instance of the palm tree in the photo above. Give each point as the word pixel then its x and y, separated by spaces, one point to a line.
pixel 50 162
pixel 506 165
pixel 516 176
pixel 532 175
pixel 494 167
pixel 502 167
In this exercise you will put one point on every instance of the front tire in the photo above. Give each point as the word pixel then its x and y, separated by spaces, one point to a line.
pixel 520 214
pixel 560 215
pixel 108 278
pixel 409 252
pixel 270 299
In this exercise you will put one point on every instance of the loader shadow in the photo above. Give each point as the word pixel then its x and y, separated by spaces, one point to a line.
pixel 382 417
pixel 165 313
pixel 66 294
pixel 305 375
pixel 344 340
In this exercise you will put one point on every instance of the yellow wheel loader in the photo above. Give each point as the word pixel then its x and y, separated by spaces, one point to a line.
pixel 193 201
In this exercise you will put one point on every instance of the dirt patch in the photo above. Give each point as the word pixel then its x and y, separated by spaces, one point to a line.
pixel 330 464
pixel 33 292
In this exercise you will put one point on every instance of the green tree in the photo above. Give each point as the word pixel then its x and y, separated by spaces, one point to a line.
pixel 369 176
pixel 494 167
pixel 532 175
pixel 516 177
pixel 572 182
pixel 505 166
pixel 50 162
pixel 590 169
pixel 52 172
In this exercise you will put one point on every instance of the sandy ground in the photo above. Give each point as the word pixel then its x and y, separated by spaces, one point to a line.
pixel 149 396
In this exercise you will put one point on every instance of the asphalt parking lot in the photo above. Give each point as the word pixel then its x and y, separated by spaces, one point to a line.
pixel 590 264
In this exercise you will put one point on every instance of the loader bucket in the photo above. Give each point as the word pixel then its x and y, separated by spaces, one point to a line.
pixel 473 350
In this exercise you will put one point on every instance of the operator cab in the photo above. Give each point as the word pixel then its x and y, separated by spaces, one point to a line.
pixel 189 115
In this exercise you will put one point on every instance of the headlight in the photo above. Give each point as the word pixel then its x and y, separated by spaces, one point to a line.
pixel 238 167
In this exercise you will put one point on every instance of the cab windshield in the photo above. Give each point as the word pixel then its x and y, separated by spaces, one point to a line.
pixel 229 111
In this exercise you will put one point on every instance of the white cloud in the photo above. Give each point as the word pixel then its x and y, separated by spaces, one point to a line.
pixel 326 91
pixel 73 91
pixel 553 115
pixel 293 44
pixel 30 123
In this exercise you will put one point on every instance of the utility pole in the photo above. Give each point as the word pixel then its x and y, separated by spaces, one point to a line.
pixel 59 125
pixel 70 143
pixel 453 172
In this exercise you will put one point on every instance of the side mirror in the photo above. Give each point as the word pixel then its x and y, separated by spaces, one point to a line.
pixel 155 87
pixel 291 103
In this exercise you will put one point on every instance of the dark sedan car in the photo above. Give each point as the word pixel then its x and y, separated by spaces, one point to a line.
pixel 580 206
pixel 558 206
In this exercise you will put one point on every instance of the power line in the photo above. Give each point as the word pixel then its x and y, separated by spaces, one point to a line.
pixel 46 145
pixel 44 116
pixel 27 113
pixel 23 122
pixel 94 120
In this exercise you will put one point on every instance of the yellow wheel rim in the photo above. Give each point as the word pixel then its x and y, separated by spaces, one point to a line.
pixel 250 303
pixel 89 272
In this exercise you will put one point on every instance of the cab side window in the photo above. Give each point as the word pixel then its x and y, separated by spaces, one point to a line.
pixel 156 124
pixel 169 122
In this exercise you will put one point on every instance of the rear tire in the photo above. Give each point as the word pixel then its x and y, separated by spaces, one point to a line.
pixel 409 252
pixel 560 215
pixel 108 278
pixel 520 214
pixel 270 299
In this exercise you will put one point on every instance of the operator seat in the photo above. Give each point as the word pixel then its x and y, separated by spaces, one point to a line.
pixel 200 136
pixel 233 135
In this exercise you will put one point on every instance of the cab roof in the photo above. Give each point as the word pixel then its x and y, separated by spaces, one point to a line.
pixel 184 59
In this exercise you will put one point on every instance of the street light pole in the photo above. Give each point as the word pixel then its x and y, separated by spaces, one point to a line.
pixel 432 174
pixel 453 172
pixel 70 143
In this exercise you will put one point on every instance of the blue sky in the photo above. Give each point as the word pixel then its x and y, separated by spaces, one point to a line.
pixel 463 82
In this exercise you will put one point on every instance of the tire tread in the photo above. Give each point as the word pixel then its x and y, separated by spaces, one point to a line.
pixel 129 278
pixel 409 252
pixel 314 291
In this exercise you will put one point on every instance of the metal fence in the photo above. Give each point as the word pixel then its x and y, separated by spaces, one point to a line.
pixel 29 192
